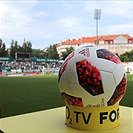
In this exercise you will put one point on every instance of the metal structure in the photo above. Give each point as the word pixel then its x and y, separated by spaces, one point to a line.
pixel 97 16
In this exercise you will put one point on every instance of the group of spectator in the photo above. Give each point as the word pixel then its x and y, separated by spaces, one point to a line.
pixel 28 65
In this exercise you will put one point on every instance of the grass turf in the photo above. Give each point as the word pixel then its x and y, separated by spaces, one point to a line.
pixel 19 95
pixel 127 100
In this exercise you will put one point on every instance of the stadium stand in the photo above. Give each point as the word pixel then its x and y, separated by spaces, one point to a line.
pixel 29 67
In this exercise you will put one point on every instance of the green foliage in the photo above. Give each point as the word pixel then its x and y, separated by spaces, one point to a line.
pixel 15 47
pixel 117 55
pixel 27 47
pixel 51 52
pixel 127 56
pixel 35 53
pixel 3 51
pixel 67 52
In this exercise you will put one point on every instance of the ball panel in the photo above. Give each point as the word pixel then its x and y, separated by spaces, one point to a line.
pixel 86 97
pixel 119 92
pixel 68 89
pixel 62 82
pixel 104 65
pixel 63 67
pixel 118 73
pixel 71 77
pixel 85 52
pixel 74 88
pixel 108 84
pixel 105 54
pixel 89 77
pixel 71 100
pixel 100 63
pixel 71 72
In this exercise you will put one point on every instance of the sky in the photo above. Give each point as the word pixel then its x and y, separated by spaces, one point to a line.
pixel 48 22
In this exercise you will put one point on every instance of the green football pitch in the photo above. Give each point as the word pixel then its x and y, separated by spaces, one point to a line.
pixel 20 95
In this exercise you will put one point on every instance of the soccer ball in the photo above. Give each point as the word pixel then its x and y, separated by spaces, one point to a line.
pixel 92 76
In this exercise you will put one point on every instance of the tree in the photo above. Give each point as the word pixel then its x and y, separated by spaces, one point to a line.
pixel 51 52
pixel 117 55
pixel 0 43
pixel 36 53
pixel 3 51
pixel 0 48
pixel 14 48
pixel 67 52
pixel 127 56
pixel 27 47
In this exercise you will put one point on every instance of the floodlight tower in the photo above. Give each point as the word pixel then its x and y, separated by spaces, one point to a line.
pixel 97 16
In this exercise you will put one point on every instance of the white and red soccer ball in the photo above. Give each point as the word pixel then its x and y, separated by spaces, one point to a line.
pixel 92 76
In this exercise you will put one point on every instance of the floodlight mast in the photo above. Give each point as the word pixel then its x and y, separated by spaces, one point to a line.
pixel 97 16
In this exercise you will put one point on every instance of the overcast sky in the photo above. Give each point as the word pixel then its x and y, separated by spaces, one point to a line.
pixel 49 22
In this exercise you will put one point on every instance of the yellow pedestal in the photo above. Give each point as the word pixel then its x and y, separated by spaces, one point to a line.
pixel 94 118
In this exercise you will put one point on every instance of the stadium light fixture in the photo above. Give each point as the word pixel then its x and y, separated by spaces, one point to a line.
pixel 97 16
